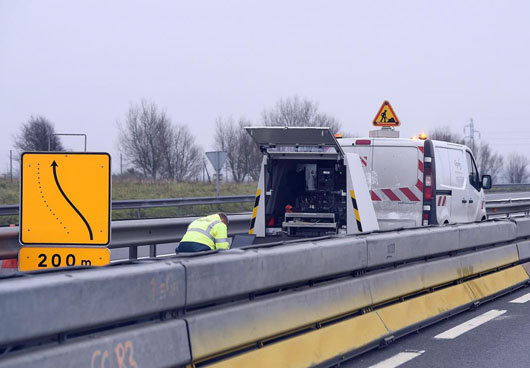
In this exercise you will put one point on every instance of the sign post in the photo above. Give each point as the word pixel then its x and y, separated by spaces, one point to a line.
pixel 65 202
pixel 217 159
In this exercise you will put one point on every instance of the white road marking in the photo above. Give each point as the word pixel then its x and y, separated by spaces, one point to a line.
pixel 398 359
pixel 521 299
pixel 469 325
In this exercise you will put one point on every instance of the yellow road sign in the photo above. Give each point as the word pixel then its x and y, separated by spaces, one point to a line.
pixel 41 258
pixel 386 117
pixel 65 198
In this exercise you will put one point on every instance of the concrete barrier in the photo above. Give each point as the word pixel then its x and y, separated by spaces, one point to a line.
pixel 523 247
pixel 399 246
pixel 235 325
pixel 395 247
pixel 390 285
pixel 162 344
pixel 523 226
pixel 239 272
pixel 74 300
pixel 51 303
pixel 485 233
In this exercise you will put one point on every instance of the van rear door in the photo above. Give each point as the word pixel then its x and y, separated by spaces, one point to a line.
pixel 394 171
pixel 397 189
pixel 310 186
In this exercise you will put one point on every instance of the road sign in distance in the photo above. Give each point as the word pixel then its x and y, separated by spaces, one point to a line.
pixel 41 258
pixel 65 198
pixel 386 117
pixel 217 159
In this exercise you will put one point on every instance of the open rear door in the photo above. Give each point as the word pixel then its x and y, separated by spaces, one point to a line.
pixel 308 186
pixel 295 139
pixel 360 209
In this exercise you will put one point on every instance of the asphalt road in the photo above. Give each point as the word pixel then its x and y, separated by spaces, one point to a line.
pixel 503 341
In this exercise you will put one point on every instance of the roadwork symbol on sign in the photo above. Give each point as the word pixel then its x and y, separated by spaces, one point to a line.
pixel 386 117
pixel 65 198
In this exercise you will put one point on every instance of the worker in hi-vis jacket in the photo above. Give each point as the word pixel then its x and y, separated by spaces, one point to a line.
pixel 205 233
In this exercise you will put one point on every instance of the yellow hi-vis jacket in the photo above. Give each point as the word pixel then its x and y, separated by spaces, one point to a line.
pixel 209 230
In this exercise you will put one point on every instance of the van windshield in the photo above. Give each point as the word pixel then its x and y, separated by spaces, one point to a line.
pixel 394 167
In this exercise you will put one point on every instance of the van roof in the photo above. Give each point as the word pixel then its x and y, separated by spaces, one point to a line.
pixel 406 142
pixel 381 142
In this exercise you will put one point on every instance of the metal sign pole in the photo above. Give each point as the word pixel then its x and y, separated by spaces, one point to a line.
pixel 217 159
pixel 11 165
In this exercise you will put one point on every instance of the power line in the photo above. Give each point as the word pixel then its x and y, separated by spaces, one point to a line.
pixel 472 133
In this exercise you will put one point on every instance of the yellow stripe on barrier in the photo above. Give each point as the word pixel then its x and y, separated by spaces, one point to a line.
pixel 254 212
pixel 357 214
pixel 409 312
pixel 313 347
pixel 495 282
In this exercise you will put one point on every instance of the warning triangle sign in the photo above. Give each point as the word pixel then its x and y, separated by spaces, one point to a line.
pixel 386 117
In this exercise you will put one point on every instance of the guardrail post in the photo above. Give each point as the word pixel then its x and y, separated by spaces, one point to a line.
pixel 133 253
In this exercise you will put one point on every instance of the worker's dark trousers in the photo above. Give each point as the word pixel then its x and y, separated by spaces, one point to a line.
pixel 186 247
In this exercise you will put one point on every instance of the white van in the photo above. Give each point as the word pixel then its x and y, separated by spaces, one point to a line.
pixel 401 175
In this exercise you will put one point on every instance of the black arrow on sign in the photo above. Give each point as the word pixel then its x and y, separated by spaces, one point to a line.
pixel 54 165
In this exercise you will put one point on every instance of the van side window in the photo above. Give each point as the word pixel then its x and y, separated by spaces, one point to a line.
pixel 394 167
pixel 473 172
pixel 458 171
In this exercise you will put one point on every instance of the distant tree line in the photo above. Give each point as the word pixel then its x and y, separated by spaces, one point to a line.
pixel 156 148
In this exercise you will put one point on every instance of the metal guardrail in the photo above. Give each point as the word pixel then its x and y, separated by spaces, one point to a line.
pixel 12 209
pixel 517 186
pixel 495 207
pixel 133 233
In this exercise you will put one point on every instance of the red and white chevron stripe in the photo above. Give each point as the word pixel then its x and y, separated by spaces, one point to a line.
pixel 364 160
pixel 406 194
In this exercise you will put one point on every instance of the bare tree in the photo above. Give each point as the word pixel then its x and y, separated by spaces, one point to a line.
pixel 488 162
pixel 516 168
pixel 244 157
pixel 445 134
pixel 294 111
pixel 144 138
pixel 35 135
pixel 186 154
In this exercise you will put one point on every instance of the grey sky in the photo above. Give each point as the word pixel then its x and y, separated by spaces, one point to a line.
pixel 80 64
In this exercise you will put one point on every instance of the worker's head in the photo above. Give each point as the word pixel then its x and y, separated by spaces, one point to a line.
pixel 223 217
